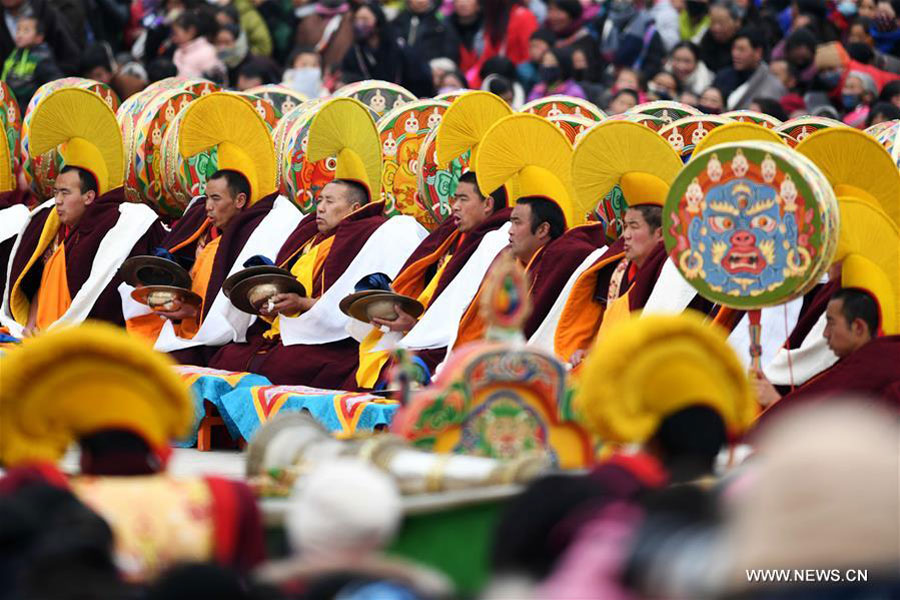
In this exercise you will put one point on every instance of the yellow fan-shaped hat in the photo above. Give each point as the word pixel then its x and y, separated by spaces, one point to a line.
pixel 86 131
pixel 464 124
pixel 7 179
pixel 652 367
pixel 737 132
pixel 867 230
pixel 344 128
pixel 856 165
pixel 629 155
pixel 858 272
pixel 244 144
pixel 538 154
pixel 76 381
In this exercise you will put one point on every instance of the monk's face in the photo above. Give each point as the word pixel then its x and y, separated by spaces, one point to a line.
pixel 639 238
pixel 333 206
pixel 843 337
pixel 524 238
pixel 470 208
pixel 221 205
pixel 71 202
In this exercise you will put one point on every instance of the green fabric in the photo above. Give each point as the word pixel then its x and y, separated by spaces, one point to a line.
pixel 258 37
pixel 686 29
pixel 456 542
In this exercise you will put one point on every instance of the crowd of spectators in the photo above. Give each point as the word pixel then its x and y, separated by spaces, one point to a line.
pixel 781 57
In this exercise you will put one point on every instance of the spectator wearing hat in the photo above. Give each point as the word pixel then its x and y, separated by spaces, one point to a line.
pixel 857 95
pixel 556 76
pixel 423 29
pixel 541 41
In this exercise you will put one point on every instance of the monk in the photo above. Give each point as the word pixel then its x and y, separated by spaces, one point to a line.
pixel 868 363
pixel 436 263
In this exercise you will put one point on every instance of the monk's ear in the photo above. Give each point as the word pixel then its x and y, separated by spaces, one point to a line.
pixel 241 201
pixel 89 197
pixel 543 230
pixel 860 328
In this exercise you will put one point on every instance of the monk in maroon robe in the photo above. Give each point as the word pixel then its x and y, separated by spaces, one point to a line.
pixel 9 199
pixel 320 365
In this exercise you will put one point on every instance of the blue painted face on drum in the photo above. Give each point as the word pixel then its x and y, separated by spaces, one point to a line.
pixel 743 236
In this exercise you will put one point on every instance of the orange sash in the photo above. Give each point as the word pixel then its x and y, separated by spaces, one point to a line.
pixel 53 299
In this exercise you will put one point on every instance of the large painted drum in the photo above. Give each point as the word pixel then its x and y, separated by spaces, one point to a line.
pixel 554 106
pixel 41 171
pixel 573 126
pixel 299 178
pixel 684 134
pixel 402 132
pixel 11 124
pixel 282 98
pixel 667 110
pixel 751 224
pixel 436 186
pixel 876 129
pixel 802 127
pixel 751 116
pixel 887 137
pixel 379 96
pixel 142 150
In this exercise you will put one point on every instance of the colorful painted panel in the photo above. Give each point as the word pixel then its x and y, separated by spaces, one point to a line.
pixel 751 116
pixel 877 128
pixel 802 127
pixel 143 183
pixel 573 126
pixel 436 187
pixel 41 171
pixel 553 106
pixel 667 110
pixel 751 224
pixel 684 134
pixel 379 96
pixel 282 98
pixel 263 108
pixel 300 179
pixel 887 137
pixel 402 132
pixel 11 124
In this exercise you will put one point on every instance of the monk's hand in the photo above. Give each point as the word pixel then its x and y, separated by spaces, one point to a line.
pixel 286 304
pixel 182 312
pixel 403 323
pixel 766 394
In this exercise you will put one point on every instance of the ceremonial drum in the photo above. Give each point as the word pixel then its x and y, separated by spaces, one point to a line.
pixel 573 126
pixel 196 85
pixel 300 179
pixel 802 127
pixel 684 134
pixel 41 171
pixel 452 95
pixel 751 116
pixel 282 98
pixel 143 136
pixel 402 132
pixel 751 224
pixel 877 128
pixel 667 110
pixel 379 96
pixel 436 187
pixel 554 106
pixel 263 108
pixel 11 122
pixel 887 137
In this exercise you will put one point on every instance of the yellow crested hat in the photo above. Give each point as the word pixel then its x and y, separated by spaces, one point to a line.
pixel 629 155
pixel 85 129
pixel 7 177
pixel 652 367
pixel 242 140
pixel 858 272
pixel 343 127
pixel 738 131
pixel 538 154
pixel 465 123
pixel 856 165
pixel 76 381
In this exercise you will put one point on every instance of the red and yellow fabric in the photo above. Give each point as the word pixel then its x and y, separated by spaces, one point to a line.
pixel 53 298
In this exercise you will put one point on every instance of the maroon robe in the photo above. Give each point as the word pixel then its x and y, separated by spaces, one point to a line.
pixel 316 365
pixel 465 248
pixel 8 199
pixel 873 371
pixel 551 269
pixel 82 243
pixel 183 238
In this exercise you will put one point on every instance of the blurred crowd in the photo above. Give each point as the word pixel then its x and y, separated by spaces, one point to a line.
pixel 780 57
